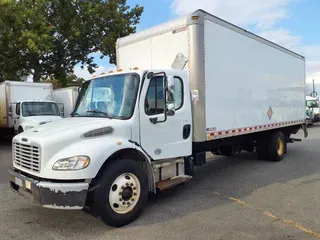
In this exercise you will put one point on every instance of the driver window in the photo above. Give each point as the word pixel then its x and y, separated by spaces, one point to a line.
pixel 154 103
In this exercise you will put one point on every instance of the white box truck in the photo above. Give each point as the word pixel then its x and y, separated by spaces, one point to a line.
pixel 66 98
pixel 184 88
pixel 313 106
pixel 25 105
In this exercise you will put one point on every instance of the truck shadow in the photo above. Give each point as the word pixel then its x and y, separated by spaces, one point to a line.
pixel 5 141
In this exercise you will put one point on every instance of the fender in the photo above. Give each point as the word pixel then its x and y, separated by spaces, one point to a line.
pixel 137 153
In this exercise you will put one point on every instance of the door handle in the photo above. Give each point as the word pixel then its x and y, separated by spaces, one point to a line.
pixel 186 131
pixel 154 120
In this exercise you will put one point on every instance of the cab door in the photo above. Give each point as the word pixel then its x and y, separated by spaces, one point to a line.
pixel 165 117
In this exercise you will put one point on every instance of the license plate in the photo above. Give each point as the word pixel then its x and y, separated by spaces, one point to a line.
pixel 28 185
pixel 18 181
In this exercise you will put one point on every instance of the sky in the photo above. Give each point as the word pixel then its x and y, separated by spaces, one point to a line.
pixel 293 24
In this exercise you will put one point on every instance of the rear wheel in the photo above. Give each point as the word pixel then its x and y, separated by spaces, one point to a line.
pixel 276 146
pixel 121 192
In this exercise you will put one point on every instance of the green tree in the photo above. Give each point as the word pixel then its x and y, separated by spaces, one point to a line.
pixel 48 38
pixel 24 38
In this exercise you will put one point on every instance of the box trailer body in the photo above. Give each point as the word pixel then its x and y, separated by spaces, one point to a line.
pixel 184 88
pixel 15 95
pixel 237 79
pixel 66 98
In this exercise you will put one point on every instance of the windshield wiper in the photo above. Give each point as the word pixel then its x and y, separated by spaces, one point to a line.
pixel 98 111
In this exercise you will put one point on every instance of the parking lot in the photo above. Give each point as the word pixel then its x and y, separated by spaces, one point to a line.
pixel 230 198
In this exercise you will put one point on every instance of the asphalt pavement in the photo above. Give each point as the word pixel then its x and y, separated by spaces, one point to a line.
pixel 230 198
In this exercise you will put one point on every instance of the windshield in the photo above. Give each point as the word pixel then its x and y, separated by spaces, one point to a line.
pixel 312 104
pixel 108 96
pixel 39 109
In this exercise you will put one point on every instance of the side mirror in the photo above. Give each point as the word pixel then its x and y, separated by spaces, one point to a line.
pixel 171 109
pixel 170 101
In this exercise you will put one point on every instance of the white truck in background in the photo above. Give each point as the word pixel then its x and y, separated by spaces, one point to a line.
pixel 66 98
pixel 313 106
pixel 26 105
pixel 183 88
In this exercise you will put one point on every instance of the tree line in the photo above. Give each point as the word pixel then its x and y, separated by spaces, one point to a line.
pixel 47 38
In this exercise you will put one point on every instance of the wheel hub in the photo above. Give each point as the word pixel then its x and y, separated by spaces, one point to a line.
pixel 124 193
pixel 280 146
pixel 127 193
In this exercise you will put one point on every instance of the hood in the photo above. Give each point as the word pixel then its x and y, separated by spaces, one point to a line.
pixel 71 128
pixel 55 136
pixel 42 119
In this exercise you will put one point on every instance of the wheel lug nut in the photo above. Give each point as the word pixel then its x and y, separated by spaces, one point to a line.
pixel 120 199
pixel 124 203
pixel 131 184
pixel 127 184
pixel 128 203
pixel 122 187
pixel 120 193
pixel 135 194
pixel 134 188
pixel 132 199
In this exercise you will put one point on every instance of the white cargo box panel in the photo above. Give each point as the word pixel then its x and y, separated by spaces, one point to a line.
pixel 239 82
pixel 155 47
pixel 23 91
pixel 67 97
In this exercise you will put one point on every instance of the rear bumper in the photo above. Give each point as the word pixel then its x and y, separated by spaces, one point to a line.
pixel 49 194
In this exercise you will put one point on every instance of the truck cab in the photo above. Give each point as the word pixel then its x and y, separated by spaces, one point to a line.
pixel 123 124
pixel 29 114
pixel 313 104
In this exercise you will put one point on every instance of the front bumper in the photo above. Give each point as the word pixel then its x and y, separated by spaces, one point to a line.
pixel 49 194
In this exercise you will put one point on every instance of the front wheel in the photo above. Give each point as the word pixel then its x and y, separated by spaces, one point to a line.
pixel 121 192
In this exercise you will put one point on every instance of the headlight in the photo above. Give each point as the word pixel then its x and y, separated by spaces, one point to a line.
pixel 28 127
pixel 72 163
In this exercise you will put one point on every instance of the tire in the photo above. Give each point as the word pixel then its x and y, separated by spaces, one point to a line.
pixel 262 148
pixel 276 147
pixel 124 176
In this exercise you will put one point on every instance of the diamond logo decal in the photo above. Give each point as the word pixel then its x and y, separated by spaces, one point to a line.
pixel 269 112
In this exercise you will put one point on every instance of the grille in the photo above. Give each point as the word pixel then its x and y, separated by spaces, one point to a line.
pixel 27 156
